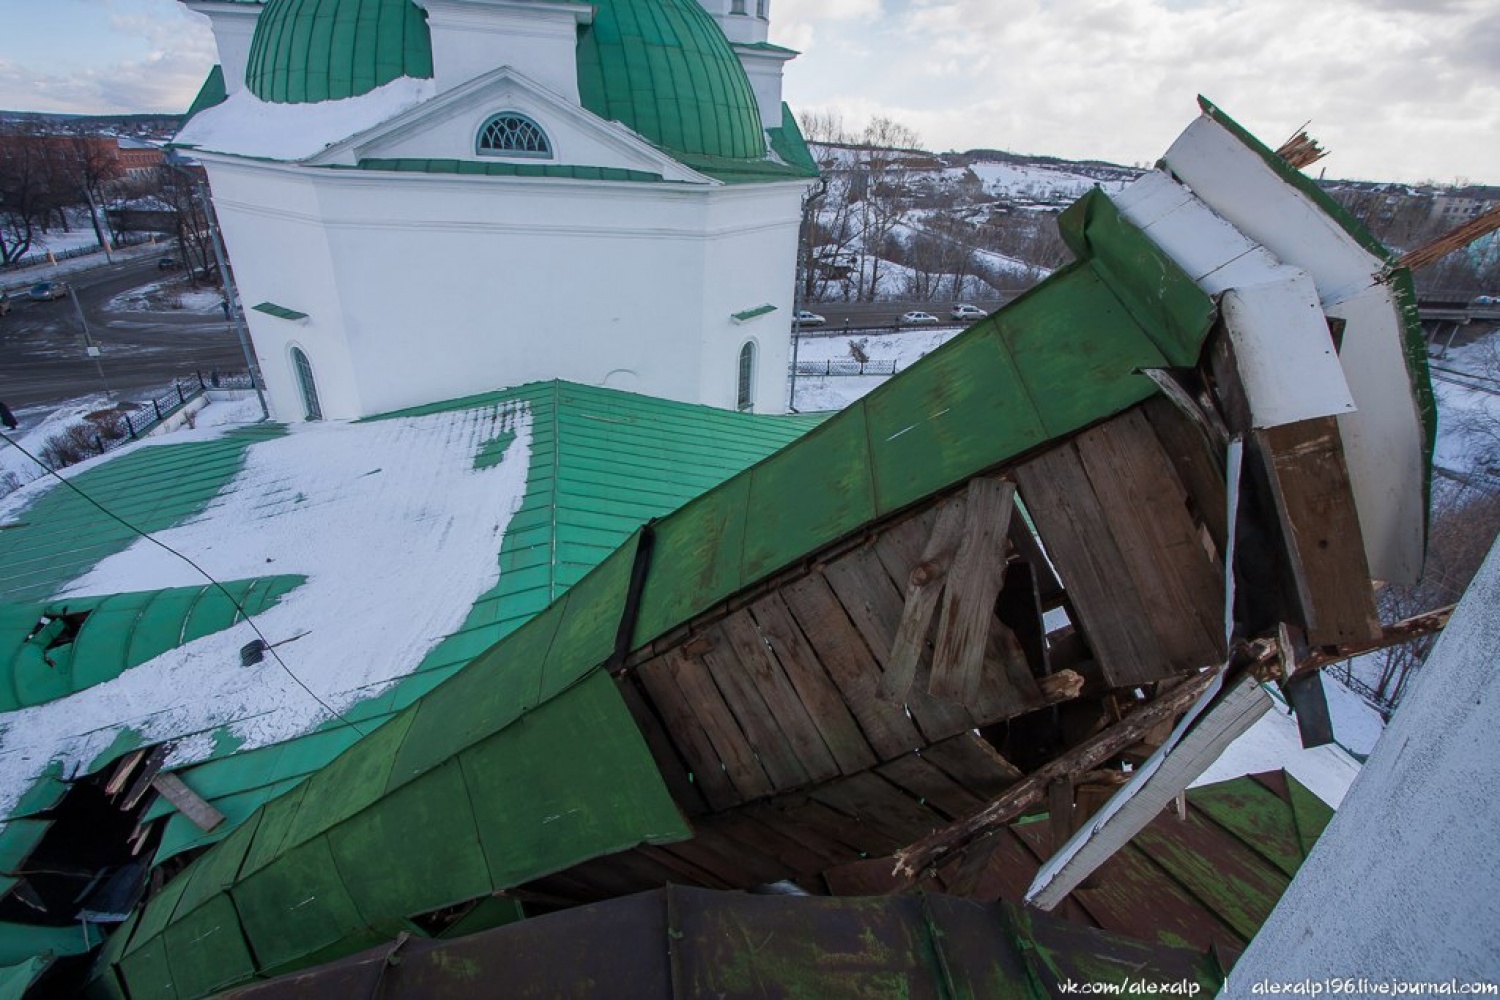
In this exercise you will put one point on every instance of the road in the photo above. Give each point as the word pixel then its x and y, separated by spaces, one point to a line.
pixel 876 315
pixel 42 356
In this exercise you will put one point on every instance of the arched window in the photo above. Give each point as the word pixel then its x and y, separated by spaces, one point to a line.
pixel 745 398
pixel 308 385
pixel 512 134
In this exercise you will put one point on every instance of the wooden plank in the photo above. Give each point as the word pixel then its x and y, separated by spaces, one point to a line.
pixel 1146 508
pixel 1111 614
pixel 1199 469
pixel 835 825
pixel 1006 687
pixel 674 770
pixel 155 758
pixel 899 546
pixel 850 665
pixel 688 700
pixel 1060 812
pixel 974 764
pixel 1020 610
pixel 1315 504
pixel 795 855
pixel 831 849
pixel 782 698
pixel 188 802
pixel 687 735
pixel 874 605
pixel 924 586
pixel 924 780
pixel 124 768
pixel 1028 548
pixel 684 870
pixel 746 701
pixel 819 695
pixel 880 805
pixel 972 587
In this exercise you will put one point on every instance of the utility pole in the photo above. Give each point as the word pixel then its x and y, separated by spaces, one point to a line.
pixel 232 298
pixel 89 346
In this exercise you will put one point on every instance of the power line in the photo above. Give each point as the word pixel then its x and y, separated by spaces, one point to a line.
pixel 269 646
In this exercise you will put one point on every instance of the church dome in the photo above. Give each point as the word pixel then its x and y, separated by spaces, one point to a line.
pixel 662 67
pixel 324 50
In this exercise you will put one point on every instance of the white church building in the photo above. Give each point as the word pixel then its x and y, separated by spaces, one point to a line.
pixel 426 199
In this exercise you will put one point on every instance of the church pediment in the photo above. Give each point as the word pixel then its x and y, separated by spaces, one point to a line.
pixel 505 117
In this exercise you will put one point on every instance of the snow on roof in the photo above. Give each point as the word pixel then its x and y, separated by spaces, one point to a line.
pixel 393 511
pixel 244 125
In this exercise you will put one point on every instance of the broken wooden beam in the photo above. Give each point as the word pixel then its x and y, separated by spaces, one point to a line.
pixel 970 592
pixel 1320 526
pixel 198 810
pixel 1457 239
pixel 1406 630
pixel 1087 756
pixel 923 588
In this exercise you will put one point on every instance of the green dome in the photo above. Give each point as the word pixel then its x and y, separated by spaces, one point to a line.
pixel 664 68
pixel 324 50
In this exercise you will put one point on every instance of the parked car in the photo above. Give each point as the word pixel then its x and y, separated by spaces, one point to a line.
pixel 917 318
pixel 805 318
pixel 168 264
pixel 45 291
pixel 1486 300
pixel 965 311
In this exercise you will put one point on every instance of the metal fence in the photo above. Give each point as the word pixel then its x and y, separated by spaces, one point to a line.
pixel 844 368
pixel 33 259
pixel 160 408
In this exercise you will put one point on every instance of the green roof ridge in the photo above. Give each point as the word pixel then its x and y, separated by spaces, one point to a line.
pixel 280 312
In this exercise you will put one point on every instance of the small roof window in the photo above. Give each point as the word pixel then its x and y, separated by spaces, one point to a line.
pixel 513 134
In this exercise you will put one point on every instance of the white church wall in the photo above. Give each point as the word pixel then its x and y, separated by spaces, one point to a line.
pixel 281 255
pixel 452 134
pixel 446 286
pixel 749 261
pixel 472 37
pixel 234 28
pixel 765 72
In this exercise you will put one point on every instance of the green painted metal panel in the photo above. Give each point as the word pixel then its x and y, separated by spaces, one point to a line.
pixel 418 851
pixel 294 905
pixel 787 143
pixel 205 949
pixel 305 51
pixel 16 979
pixel 19 942
pixel 1078 351
pixel 149 973
pixel 155 916
pixel 969 411
pixel 45 793
pixel 1236 885
pixel 351 782
pixel 831 480
pixel 211 94
pixel 217 871
pixel 702 541
pixel 1312 814
pixel 570 781
pixel 1400 281
pixel 1256 815
pixel 271 835
pixel 18 838
pixel 586 634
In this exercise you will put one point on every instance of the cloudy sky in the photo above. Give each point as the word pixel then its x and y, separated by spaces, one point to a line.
pixel 1397 89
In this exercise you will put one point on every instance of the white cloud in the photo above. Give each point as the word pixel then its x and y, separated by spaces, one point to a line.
pixel 1398 89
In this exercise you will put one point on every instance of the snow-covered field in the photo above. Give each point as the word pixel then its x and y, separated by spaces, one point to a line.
pixel 816 393
pixel 171 294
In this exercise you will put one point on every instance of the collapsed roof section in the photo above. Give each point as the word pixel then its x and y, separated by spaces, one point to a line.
pixel 841 651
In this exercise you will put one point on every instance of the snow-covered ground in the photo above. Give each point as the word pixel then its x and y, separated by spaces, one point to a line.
pixel 393 511
pixel 817 393
pixel 171 294
pixel 35 425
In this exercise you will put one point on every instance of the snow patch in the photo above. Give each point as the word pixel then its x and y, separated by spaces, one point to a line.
pixel 394 528
pixel 1274 744
pixel 244 125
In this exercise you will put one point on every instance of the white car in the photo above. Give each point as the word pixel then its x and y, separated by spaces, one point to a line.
pixel 965 311
pixel 805 318
pixel 917 318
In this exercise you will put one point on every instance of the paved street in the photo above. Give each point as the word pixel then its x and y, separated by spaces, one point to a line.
pixel 42 356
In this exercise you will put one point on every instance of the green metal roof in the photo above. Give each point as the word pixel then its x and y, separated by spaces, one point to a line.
pixel 212 93
pixel 306 51
pixel 120 632
pixel 602 462
pixel 496 169
pixel 310 874
pixel 665 69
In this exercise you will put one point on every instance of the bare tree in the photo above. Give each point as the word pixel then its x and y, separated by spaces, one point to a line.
pixel 89 164
pixel 884 196
pixel 31 190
